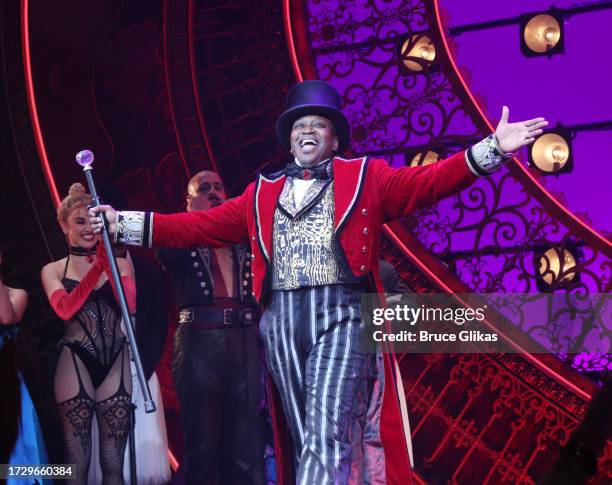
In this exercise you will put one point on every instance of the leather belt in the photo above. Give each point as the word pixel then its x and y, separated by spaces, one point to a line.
pixel 202 317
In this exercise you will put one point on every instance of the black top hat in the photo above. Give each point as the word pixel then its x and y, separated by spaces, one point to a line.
pixel 313 98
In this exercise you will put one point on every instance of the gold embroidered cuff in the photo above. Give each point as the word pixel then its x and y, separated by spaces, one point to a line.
pixel 486 157
pixel 134 228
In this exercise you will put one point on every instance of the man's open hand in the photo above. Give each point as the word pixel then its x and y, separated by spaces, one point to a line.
pixel 512 136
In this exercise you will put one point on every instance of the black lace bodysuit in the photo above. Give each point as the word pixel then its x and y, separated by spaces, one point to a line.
pixel 93 376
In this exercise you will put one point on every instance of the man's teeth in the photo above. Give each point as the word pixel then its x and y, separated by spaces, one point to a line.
pixel 308 142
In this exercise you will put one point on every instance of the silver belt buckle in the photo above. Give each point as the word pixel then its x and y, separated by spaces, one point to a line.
pixel 227 316
pixel 186 315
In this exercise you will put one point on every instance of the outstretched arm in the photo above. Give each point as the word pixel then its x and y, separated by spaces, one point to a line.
pixel 218 227
pixel 411 188
pixel 494 151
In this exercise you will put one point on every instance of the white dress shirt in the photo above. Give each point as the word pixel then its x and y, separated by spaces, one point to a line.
pixel 300 186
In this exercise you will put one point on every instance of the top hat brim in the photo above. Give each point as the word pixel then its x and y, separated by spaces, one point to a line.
pixel 284 124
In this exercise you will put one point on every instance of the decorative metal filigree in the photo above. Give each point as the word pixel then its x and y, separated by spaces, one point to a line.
pixel 491 234
pixel 242 71
pixel 485 419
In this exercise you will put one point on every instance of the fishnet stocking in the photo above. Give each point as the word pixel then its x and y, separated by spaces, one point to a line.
pixel 114 422
pixel 77 414
pixel 112 413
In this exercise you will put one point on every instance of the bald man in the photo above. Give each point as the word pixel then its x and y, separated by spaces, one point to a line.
pixel 216 368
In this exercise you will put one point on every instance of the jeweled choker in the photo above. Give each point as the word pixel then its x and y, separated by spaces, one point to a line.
pixel 79 251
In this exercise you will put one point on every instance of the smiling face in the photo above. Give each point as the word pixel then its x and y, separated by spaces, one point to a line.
pixel 205 190
pixel 313 139
pixel 77 229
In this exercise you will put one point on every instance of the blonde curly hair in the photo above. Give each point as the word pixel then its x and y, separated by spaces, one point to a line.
pixel 77 197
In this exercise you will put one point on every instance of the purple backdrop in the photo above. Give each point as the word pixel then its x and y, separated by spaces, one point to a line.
pixel 490 235
pixel 569 88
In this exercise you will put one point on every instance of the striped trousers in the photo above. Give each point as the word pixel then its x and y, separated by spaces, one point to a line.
pixel 312 342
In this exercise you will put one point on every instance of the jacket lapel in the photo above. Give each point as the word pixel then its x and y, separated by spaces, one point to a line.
pixel 349 176
pixel 267 192
pixel 286 200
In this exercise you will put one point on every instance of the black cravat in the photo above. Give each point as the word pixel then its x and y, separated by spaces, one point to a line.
pixel 319 172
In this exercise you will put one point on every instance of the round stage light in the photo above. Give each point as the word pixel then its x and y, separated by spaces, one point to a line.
pixel 550 153
pixel 542 33
pixel 551 269
pixel 418 52
pixel 424 158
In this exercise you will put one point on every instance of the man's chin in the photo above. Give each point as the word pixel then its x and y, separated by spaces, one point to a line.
pixel 311 159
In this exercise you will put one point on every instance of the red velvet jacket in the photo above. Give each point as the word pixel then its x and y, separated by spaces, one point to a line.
pixel 367 193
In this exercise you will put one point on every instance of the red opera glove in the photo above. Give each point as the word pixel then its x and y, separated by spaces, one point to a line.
pixel 129 288
pixel 129 285
pixel 67 304
pixel 102 259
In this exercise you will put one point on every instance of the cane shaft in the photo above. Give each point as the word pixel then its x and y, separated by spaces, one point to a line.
pixel 129 327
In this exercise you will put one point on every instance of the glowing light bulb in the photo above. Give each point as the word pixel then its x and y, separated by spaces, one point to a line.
pixel 558 153
pixel 549 35
pixel 421 47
